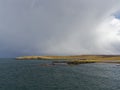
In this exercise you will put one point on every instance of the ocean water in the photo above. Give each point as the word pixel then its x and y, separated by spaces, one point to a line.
pixel 39 75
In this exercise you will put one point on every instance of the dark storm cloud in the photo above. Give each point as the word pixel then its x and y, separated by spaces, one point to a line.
pixel 60 27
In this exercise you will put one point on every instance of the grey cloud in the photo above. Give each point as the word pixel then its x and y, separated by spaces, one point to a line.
pixel 47 27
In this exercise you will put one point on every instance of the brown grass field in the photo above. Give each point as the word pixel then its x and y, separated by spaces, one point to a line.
pixel 77 59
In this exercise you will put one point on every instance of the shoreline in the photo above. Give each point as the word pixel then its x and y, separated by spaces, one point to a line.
pixel 78 59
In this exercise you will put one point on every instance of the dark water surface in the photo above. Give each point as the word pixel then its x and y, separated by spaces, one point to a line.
pixel 31 75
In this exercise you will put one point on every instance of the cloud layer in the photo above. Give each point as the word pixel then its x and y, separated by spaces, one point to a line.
pixel 59 27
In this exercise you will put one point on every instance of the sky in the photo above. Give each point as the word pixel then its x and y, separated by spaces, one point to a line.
pixel 59 27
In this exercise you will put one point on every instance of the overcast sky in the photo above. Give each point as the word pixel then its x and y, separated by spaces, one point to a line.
pixel 59 27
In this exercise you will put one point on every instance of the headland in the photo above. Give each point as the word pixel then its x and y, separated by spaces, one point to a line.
pixel 76 59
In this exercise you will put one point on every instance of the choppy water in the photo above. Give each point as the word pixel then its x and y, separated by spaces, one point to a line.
pixel 31 75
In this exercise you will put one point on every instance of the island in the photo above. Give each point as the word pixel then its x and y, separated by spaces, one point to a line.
pixel 76 59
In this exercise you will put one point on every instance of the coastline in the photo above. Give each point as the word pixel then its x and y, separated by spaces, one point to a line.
pixel 77 59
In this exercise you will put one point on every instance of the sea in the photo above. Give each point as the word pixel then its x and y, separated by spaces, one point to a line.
pixel 42 75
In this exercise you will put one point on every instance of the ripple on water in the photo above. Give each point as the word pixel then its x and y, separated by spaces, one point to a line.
pixel 30 75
